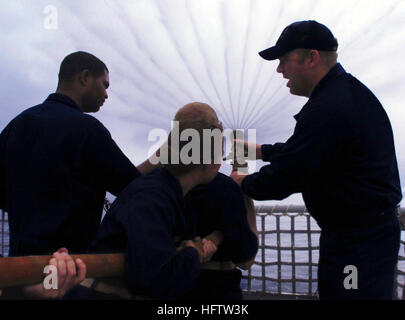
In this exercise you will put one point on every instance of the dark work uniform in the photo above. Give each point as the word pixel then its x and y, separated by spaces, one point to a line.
pixel 56 164
pixel 147 222
pixel 342 158
pixel 219 205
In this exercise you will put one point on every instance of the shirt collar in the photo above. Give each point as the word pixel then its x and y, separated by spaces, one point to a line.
pixel 298 115
pixel 174 182
pixel 335 72
pixel 63 99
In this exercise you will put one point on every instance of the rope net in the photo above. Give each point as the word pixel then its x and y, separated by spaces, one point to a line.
pixel 287 259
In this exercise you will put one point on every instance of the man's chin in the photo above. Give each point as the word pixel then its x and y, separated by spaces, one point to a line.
pixel 297 93
pixel 92 109
pixel 95 107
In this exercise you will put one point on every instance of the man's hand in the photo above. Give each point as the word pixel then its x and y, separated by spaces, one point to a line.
pixel 205 247
pixel 154 162
pixel 68 276
pixel 237 177
pixel 198 245
pixel 209 248
pixel 245 150
pixel 216 236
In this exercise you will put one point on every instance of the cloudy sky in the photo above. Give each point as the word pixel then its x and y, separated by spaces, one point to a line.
pixel 163 54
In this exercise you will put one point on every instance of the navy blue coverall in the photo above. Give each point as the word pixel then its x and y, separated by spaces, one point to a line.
pixel 219 205
pixel 342 159
pixel 148 221
pixel 56 164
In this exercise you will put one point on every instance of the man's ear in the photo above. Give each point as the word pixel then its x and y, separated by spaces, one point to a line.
pixel 83 77
pixel 314 58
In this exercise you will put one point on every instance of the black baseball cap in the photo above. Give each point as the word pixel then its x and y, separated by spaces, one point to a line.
pixel 307 34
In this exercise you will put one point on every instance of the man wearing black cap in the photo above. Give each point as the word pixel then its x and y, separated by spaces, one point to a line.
pixel 342 159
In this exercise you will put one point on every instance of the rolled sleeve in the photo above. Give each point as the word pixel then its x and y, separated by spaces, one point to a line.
pixel 270 150
pixel 240 243
pixel 307 152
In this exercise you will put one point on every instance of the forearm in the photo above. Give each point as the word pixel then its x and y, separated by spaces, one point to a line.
pixel 272 184
pixel 152 163
pixel 147 166
pixel 251 245
pixel 251 218
pixel 246 265
pixel 268 151
pixel 251 214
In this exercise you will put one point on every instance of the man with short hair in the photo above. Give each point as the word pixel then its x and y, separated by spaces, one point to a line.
pixel 221 206
pixel 57 162
pixel 149 219
pixel 342 159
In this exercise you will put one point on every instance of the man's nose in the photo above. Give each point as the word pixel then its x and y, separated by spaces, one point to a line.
pixel 279 68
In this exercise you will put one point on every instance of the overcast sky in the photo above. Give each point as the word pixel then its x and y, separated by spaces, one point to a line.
pixel 163 54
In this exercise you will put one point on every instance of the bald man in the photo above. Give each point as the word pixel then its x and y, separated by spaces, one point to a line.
pixel 149 220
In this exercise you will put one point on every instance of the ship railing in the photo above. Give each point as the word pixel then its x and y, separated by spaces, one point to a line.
pixel 287 260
